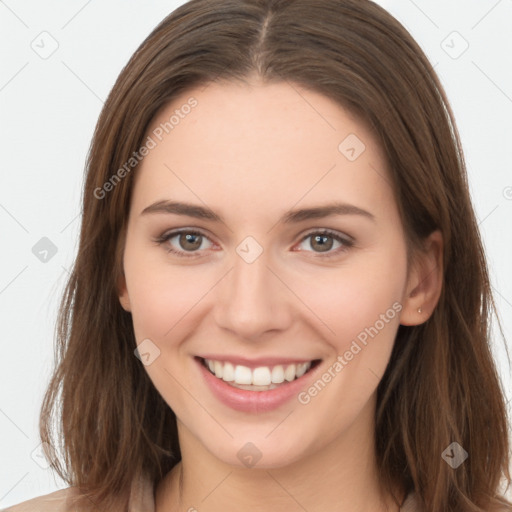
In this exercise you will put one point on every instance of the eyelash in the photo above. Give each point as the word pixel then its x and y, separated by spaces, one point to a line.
pixel 326 232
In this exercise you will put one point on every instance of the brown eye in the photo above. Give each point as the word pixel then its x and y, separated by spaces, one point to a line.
pixel 326 243
pixel 188 244
pixel 322 243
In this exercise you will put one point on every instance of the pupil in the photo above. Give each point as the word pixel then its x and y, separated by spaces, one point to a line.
pixel 189 239
pixel 320 239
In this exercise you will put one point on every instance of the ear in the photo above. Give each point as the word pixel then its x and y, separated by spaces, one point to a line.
pixel 425 282
pixel 122 291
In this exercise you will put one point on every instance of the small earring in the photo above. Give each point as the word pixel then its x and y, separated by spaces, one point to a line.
pixel 419 310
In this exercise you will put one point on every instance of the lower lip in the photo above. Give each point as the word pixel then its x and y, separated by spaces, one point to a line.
pixel 254 401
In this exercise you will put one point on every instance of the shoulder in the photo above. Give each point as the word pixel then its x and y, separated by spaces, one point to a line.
pixel 65 500
pixel 504 505
pixel 411 504
pixel 58 501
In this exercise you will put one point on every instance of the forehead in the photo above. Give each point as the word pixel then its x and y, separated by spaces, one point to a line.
pixel 261 143
pixel 277 114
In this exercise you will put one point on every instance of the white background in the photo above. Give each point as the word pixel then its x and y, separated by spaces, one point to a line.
pixel 48 110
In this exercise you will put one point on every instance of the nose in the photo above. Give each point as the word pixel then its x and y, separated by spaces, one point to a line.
pixel 253 300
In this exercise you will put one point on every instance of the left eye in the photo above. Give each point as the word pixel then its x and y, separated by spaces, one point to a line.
pixel 323 241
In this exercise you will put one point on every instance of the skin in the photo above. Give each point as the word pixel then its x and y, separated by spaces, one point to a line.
pixel 251 153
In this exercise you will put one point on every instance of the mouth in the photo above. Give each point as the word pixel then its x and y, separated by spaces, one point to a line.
pixel 258 378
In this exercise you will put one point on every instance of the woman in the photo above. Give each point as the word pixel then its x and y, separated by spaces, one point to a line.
pixel 280 299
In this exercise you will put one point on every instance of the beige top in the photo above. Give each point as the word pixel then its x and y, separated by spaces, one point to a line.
pixel 142 499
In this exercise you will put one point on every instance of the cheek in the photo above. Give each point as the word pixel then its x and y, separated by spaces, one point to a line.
pixel 162 295
pixel 361 299
pixel 360 303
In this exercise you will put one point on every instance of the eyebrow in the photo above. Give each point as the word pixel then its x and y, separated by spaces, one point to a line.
pixel 290 217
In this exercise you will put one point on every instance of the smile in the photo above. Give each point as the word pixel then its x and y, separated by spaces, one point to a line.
pixel 256 387
pixel 261 378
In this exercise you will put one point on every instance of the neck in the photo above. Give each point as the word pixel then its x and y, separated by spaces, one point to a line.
pixel 341 476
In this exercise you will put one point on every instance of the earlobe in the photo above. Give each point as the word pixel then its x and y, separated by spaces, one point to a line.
pixel 425 282
pixel 124 298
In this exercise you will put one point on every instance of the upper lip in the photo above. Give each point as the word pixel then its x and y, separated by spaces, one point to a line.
pixel 256 362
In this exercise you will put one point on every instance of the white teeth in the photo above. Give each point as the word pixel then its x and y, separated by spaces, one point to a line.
pixel 261 376
pixel 278 374
pixel 243 375
pixel 228 373
pixel 219 367
pixel 302 368
pixel 289 373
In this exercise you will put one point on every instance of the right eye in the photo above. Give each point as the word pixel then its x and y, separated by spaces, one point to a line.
pixel 188 241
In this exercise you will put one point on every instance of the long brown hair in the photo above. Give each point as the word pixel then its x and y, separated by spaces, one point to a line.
pixel 441 385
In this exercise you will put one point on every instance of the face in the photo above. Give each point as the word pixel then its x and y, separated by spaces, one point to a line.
pixel 264 240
